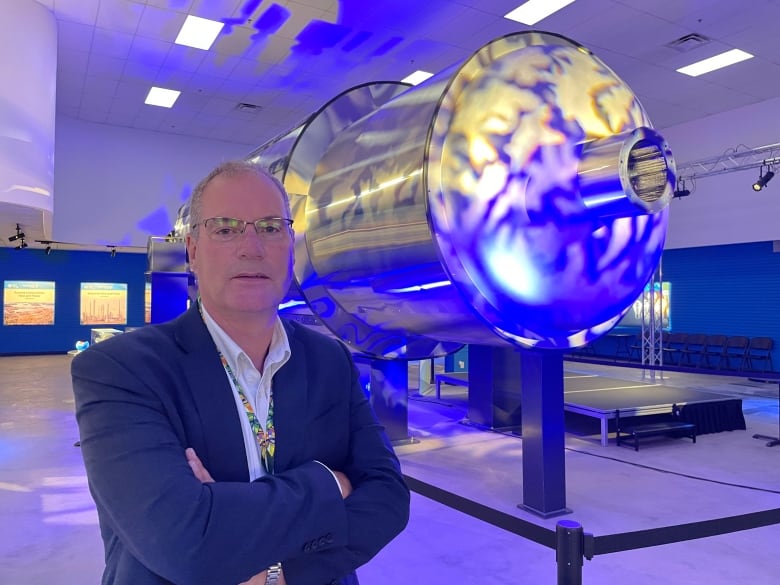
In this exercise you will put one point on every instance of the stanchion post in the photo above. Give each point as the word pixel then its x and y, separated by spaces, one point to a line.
pixel 569 551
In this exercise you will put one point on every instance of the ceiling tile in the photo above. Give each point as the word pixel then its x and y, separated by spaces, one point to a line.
pixel 237 42
pixel 84 11
pixel 184 58
pixel 102 66
pixel 177 5
pixel 74 36
pixel 249 71
pixel 149 51
pixel 72 63
pixel 112 43
pixel 206 84
pixel 191 102
pixel 218 106
pixel 173 78
pixel 160 24
pixel 215 9
pixel 69 93
pixel 217 65
pixel 119 15
pixel 93 115
pixel 140 72
pixel 100 87
pixel 69 111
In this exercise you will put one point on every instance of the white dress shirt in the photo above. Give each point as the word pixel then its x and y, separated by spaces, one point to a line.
pixel 256 386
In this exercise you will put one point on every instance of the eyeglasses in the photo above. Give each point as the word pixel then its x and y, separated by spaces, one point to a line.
pixel 224 229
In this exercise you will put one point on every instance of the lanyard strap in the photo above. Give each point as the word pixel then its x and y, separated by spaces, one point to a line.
pixel 266 439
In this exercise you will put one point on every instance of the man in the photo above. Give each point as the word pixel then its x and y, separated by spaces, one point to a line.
pixel 229 446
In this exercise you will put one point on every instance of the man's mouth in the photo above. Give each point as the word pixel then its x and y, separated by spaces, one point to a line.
pixel 251 276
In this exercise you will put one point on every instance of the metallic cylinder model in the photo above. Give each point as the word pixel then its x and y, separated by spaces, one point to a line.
pixel 517 198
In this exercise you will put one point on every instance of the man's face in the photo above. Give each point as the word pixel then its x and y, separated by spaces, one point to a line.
pixel 246 276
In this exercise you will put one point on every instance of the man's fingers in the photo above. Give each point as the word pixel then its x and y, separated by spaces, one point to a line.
pixel 197 466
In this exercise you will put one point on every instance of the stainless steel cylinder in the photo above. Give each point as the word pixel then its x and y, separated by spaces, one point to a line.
pixel 517 198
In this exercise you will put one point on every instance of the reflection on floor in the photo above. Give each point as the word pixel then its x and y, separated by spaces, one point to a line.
pixel 49 530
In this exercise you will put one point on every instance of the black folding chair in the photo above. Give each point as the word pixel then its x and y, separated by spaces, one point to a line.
pixel 759 351
pixel 734 352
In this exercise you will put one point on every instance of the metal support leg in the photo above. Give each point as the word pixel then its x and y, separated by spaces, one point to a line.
pixel 390 397
pixel 544 472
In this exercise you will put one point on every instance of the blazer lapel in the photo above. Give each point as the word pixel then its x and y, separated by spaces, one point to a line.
pixel 225 456
pixel 290 404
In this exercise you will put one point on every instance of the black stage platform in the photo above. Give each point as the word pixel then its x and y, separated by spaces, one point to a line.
pixel 599 397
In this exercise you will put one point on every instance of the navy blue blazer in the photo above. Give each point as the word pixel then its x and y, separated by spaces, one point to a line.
pixel 144 396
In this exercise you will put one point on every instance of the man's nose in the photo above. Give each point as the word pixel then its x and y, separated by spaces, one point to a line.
pixel 251 238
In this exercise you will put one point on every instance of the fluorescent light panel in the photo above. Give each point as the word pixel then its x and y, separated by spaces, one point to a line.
pixel 716 62
pixel 533 11
pixel 417 77
pixel 199 33
pixel 164 98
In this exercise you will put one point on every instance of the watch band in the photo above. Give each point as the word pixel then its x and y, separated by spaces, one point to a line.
pixel 272 574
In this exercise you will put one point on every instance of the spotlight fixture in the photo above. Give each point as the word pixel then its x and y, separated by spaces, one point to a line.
pixel 763 178
pixel 19 235
pixel 21 245
pixel 680 190
pixel 48 249
pixel 113 251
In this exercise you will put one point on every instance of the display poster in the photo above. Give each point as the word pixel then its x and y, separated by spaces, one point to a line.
pixel 148 303
pixel 28 302
pixel 103 303
pixel 655 301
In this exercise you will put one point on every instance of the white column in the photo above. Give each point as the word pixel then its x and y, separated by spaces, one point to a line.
pixel 28 75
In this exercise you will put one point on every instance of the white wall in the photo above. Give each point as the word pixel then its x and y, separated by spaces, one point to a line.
pixel 724 209
pixel 115 185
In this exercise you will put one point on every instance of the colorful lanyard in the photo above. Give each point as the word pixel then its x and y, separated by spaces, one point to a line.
pixel 265 438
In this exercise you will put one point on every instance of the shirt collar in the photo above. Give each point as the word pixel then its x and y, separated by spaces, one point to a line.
pixel 278 352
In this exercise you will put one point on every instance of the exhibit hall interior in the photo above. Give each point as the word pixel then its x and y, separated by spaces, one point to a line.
pixel 546 232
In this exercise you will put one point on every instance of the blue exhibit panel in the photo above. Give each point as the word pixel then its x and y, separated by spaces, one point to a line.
pixel 68 270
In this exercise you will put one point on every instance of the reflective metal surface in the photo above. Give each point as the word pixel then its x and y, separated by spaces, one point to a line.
pixel 296 158
pixel 463 208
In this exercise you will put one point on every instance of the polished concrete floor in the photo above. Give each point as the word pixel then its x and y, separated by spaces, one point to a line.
pixel 49 534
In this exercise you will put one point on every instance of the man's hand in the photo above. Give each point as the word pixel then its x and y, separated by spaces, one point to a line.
pixel 346 485
pixel 197 467
pixel 259 579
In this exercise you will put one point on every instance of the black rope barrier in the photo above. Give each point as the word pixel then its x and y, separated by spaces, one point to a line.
pixel 571 544
pixel 528 530
pixel 613 543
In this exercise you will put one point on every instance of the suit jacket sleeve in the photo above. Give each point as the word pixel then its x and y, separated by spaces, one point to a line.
pixel 133 424
pixel 378 508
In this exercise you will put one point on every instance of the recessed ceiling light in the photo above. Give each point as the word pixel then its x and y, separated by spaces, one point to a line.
pixel 164 98
pixel 417 77
pixel 199 32
pixel 716 62
pixel 533 11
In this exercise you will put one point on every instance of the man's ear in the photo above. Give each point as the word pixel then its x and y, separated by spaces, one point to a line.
pixel 192 247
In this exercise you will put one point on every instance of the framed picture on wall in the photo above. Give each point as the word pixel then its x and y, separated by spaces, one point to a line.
pixel 103 303
pixel 28 302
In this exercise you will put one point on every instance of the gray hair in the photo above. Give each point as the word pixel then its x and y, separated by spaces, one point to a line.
pixel 232 168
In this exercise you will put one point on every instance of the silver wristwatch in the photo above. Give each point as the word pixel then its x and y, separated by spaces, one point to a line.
pixel 272 574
